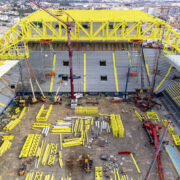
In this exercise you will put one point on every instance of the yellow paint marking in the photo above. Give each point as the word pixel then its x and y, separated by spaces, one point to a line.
pixel 3 105
pixel 53 70
pixel 167 74
pixel 115 73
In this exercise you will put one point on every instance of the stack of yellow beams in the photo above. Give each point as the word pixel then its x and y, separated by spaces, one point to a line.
pixel 176 139
pixel 29 176
pixel 46 154
pixel 62 128
pixel 34 145
pixel 9 138
pixel 116 125
pixel 153 116
pixel 27 145
pixel 13 123
pixel 38 126
pixel 38 175
pixel 30 145
pixel 49 177
pixel 52 155
pixel 98 173
pixel 170 129
pixel 86 111
pixel 74 141
pixel 4 147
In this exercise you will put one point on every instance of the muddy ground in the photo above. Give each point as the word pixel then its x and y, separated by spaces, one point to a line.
pixel 135 140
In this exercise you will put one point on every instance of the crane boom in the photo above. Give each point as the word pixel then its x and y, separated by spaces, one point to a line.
pixel 69 28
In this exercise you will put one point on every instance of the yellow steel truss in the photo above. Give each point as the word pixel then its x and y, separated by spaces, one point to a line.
pixel 89 26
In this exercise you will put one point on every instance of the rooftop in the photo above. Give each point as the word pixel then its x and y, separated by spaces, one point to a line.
pixel 95 15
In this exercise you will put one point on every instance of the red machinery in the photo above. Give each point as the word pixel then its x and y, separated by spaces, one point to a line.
pixel 144 103
pixel 152 131
pixel 69 28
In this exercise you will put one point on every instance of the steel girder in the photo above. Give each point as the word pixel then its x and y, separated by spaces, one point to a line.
pixel 14 43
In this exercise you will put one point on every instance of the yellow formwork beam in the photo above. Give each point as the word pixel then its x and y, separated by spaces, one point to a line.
pixel 5 146
pixel 29 176
pixel 76 127
pixel 22 113
pixel 13 123
pixel 40 125
pixel 27 145
pixel 34 145
pixel 52 177
pixel 135 163
pixel 60 159
pixel 117 174
pixel 98 173
pixel 72 143
pixel 153 116
pixel 116 125
pixel 120 126
pixel 60 141
pixel 86 110
pixel 41 152
pixel 170 129
pixel 51 160
pixel 38 175
pixel 9 138
pixel 43 114
pixel 115 178
pixel 176 139
pixel 138 115
pixel 61 130
pixel 46 154
pixel 47 177
pixel 17 110
pixel 53 148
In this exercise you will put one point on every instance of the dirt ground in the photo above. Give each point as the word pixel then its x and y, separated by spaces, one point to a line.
pixel 135 140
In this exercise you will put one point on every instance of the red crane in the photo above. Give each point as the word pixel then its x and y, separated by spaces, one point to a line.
pixel 152 131
pixel 69 28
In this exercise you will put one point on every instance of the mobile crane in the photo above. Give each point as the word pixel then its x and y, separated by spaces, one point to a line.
pixel 152 131
pixel 69 28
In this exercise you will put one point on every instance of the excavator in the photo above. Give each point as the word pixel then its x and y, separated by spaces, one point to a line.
pixel 88 162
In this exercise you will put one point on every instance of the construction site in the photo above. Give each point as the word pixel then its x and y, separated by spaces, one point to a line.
pixel 82 97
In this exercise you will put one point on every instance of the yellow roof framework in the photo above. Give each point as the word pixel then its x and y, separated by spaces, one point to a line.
pixel 89 26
